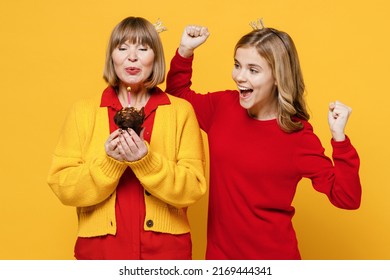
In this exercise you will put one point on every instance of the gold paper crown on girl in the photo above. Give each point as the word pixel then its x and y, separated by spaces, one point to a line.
pixel 159 26
pixel 257 25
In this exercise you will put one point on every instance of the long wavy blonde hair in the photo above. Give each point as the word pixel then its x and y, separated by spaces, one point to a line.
pixel 279 50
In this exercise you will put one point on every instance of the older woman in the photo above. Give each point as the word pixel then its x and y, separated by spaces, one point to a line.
pixel 131 191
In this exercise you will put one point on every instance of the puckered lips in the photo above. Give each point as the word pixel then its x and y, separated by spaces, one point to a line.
pixel 132 70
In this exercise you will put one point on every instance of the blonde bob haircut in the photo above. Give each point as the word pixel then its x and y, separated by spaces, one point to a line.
pixel 278 49
pixel 136 30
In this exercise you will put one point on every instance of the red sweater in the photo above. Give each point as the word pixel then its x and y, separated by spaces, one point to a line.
pixel 254 171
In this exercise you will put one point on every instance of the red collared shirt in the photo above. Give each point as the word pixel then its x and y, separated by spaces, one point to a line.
pixel 131 240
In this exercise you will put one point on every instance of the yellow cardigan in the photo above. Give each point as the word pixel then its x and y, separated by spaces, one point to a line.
pixel 82 175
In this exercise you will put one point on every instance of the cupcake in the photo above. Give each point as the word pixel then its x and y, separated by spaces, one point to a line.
pixel 130 117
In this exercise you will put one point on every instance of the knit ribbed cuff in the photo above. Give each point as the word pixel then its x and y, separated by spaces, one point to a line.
pixel 341 147
pixel 187 60
pixel 112 168
pixel 145 165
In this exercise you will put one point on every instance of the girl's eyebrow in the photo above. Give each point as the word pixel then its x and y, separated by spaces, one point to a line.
pixel 250 65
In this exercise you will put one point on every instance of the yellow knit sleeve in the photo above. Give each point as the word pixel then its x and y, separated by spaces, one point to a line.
pixel 174 168
pixel 81 174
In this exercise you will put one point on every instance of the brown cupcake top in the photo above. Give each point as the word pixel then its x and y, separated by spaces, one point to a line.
pixel 130 117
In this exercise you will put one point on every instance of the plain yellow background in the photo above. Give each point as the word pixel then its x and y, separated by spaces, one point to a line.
pixel 52 53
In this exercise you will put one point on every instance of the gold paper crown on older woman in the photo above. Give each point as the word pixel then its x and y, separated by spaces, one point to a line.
pixel 159 26
pixel 257 25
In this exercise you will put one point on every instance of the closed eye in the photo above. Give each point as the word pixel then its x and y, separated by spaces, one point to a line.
pixel 143 48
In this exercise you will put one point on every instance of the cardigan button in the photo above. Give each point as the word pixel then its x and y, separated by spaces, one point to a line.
pixel 149 223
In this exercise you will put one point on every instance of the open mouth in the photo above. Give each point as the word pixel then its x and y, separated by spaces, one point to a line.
pixel 245 92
